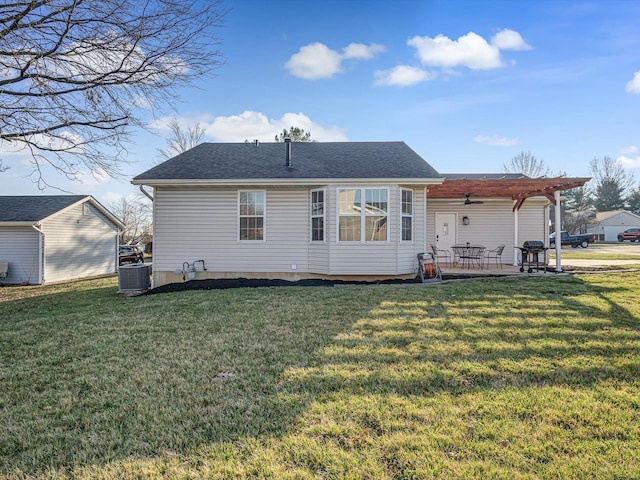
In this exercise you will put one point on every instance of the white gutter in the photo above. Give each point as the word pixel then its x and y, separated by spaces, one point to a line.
pixel 558 239
pixel 41 254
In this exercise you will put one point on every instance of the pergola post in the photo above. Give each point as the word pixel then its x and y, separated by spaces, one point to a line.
pixel 558 219
pixel 515 235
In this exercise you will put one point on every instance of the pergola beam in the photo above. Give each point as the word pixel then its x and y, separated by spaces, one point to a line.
pixel 518 189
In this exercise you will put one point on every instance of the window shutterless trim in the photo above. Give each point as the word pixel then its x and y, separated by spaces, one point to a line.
pixel 263 216
pixel 323 216
pixel 404 215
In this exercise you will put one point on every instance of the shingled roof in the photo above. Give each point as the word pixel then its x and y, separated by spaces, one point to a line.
pixel 309 160
pixel 33 208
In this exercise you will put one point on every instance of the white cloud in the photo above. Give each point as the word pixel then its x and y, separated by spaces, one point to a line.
pixel 361 51
pixel 633 86
pixel 92 179
pixel 316 60
pixel 496 140
pixel 629 150
pixel 470 50
pixel 403 76
pixel 509 40
pixel 628 162
pixel 250 125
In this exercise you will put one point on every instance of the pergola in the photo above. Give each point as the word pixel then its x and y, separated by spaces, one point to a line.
pixel 516 187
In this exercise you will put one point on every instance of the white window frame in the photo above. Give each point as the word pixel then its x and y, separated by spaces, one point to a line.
pixel 363 215
pixel 264 216
pixel 323 216
pixel 404 215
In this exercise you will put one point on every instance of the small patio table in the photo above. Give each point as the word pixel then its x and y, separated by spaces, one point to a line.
pixel 469 255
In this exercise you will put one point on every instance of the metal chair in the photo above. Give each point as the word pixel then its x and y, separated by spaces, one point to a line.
pixel 495 254
pixel 438 254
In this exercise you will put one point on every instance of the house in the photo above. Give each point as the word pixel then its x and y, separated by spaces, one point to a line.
pixel 607 225
pixel 342 210
pixel 52 238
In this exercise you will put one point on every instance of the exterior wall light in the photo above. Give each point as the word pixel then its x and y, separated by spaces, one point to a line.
pixel 465 220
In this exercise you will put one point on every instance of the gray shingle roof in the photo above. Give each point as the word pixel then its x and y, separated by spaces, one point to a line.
pixel 313 160
pixel 33 208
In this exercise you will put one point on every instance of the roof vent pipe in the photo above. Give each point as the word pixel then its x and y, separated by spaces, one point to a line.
pixel 257 142
pixel 287 144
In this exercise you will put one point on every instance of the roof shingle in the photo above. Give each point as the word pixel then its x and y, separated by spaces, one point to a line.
pixel 309 160
pixel 33 208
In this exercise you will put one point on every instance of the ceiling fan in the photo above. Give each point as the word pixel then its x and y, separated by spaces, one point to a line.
pixel 468 201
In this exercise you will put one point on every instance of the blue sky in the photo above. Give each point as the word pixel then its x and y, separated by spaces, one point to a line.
pixel 467 85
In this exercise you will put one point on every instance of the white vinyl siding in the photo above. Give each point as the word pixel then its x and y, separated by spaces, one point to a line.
pixel 201 224
pixel 492 223
pixel 19 246
pixel 79 242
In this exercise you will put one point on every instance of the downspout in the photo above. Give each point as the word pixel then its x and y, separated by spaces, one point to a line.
pixel 556 197
pixel 146 194
pixel 36 227
pixel 515 235
pixel 153 222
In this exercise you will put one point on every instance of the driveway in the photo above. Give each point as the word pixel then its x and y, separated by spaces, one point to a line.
pixel 598 249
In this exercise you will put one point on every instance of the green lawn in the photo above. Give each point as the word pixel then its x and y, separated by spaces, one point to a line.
pixel 527 378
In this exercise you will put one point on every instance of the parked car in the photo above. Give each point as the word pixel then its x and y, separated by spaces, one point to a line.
pixel 631 234
pixel 129 254
pixel 574 240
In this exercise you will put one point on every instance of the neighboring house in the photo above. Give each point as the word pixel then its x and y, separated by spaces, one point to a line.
pixel 348 210
pixel 607 225
pixel 52 238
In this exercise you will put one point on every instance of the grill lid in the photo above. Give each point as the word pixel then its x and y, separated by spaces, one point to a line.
pixel 533 245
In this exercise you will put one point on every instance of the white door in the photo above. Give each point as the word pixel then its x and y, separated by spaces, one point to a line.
pixel 446 224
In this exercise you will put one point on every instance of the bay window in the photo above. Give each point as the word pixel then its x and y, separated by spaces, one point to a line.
pixel 363 214
pixel 407 215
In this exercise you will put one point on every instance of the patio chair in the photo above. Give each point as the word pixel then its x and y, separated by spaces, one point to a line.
pixel 438 254
pixel 495 254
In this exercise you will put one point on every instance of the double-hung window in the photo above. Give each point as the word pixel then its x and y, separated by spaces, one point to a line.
pixel 251 212
pixel 317 215
pixel 363 214
pixel 407 215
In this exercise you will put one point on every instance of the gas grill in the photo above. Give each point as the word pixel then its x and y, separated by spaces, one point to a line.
pixel 531 251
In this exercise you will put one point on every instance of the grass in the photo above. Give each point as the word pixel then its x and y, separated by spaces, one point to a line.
pixel 594 256
pixel 528 378
pixel 597 251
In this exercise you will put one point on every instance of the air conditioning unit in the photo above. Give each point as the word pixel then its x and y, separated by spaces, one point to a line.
pixel 134 278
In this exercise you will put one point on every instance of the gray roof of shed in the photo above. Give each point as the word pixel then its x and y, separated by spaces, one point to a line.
pixel 33 208
pixel 309 160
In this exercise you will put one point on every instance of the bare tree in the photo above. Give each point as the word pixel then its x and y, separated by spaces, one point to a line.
pixel 77 73
pixel 135 213
pixel 527 164
pixel 181 139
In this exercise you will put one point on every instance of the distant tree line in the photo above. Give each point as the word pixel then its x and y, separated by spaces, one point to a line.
pixel 611 188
